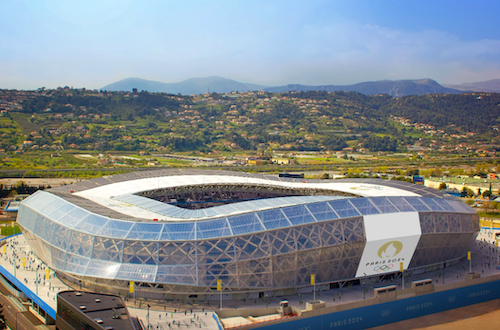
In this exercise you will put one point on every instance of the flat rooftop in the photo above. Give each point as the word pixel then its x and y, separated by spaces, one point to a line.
pixel 107 310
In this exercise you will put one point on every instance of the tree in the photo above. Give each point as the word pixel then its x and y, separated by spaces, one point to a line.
pixel 2 318
pixel 442 186
pixel 466 192
pixel 487 193
pixel 412 171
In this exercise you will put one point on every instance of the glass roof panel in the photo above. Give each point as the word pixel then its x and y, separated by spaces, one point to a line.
pixel 36 200
pixel 221 210
pixel 212 228
pixel 178 231
pixel 417 204
pixel 298 214
pixel 44 228
pixel 115 228
pixel 431 204
pixel 52 203
pixel 344 208
pixel 443 203
pixel 145 231
pixel 76 264
pixel 273 219
pixel 101 268
pixel 246 223
pixel 58 213
pixel 27 217
pixel 364 206
pixel 461 207
pixel 322 211
pixel 149 204
pixel 146 273
pixel 384 205
pixel 92 223
pixel 61 236
pixel 58 258
pixel 176 274
pixel 73 217
pixel 401 204
pixel 210 212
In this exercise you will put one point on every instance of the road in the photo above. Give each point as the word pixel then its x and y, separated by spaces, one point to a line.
pixel 17 319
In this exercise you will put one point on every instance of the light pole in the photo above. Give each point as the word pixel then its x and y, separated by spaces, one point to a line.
pixel 489 265
pixel 402 277
pixel 496 244
pixel 36 279
pixel 364 287
pixel 470 261
pixel 147 316
pixel 444 267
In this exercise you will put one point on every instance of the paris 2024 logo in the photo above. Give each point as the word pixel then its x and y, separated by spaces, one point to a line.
pixel 387 251
pixel 390 249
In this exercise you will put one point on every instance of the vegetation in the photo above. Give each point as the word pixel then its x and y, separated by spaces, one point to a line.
pixel 9 230
pixel 19 188
pixel 78 129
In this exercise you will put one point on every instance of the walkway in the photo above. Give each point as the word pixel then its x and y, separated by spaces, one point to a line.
pixel 162 314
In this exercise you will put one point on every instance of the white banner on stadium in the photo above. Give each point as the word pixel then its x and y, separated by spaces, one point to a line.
pixel 391 238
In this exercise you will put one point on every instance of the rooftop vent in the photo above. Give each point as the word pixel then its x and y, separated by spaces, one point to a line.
pixel 82 307
pixel 99 321
pixel 97 300
pixel 78 294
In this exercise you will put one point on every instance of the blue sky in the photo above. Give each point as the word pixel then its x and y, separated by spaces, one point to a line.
pixel 92 43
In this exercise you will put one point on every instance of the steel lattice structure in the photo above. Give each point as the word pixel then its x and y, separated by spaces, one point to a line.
pixel 105 232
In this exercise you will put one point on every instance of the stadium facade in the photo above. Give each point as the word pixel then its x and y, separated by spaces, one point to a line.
pixel 176 232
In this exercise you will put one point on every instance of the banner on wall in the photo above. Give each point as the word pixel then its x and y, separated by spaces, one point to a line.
pixel 391 239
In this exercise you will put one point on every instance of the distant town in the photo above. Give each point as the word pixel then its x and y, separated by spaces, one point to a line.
pixel 67 128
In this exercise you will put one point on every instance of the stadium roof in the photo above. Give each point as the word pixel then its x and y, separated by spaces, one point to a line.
pixel 116 196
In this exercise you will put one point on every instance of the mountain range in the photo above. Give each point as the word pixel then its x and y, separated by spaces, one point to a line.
pixel 186 87
pixel 492 86
pixel 395 88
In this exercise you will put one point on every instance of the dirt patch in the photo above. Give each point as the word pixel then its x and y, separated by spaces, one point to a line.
pixel 53 182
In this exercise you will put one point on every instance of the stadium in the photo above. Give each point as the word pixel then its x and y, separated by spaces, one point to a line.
pixel 174 233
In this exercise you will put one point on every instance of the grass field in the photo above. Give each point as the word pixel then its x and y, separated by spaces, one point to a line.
pixel 24 124
pixel 9 230
pixel 494 215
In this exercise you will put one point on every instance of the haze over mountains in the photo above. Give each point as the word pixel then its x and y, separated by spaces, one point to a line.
pixel 186 87
pixel 483 86
pixel 395 88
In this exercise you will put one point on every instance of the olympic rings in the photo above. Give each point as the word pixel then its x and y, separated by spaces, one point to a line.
pixel 383 268
pixel 385 313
